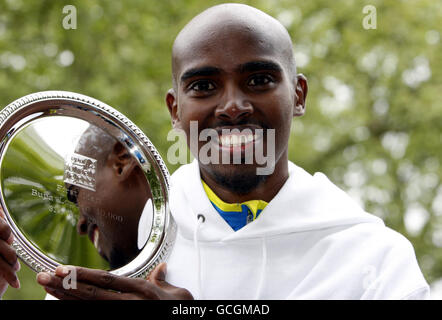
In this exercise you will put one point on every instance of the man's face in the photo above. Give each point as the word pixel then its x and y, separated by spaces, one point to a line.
pixel 235 80
pixel 110 215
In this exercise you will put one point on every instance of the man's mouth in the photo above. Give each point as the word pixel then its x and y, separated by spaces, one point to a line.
pixel 236 140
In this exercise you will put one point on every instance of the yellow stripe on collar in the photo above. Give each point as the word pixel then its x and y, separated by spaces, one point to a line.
pixel 253 205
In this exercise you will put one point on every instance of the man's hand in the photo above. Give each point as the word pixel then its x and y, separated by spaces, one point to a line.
pixel 94 284
pixel 9 264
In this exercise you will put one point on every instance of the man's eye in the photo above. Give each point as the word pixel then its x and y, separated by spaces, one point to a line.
pixel 202 86
pixel 260 80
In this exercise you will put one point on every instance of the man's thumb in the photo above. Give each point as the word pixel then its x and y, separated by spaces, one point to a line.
pixel 159 273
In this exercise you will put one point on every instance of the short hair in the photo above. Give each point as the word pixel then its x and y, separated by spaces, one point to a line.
pixel 97 144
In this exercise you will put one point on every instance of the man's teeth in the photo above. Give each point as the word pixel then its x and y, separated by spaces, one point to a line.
pixel 237 140
pixel 96 237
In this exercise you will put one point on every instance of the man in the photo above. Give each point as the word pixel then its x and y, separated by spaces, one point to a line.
pixel 301 237
pixel 121 191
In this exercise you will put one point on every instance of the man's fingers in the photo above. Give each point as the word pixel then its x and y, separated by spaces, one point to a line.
pixel 5 230
pixel 8 253
pixel 54 285
pixel 17 266
pixel 101 278
pixel 8 257
pixel 158 277
pixel 159 273
pixel 91 292
pixel 10 239
pixel 8 273
pixel 61 295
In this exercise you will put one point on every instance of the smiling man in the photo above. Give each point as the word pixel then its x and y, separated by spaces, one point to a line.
pixel 242 235
pixel 237 73
pixel 283 235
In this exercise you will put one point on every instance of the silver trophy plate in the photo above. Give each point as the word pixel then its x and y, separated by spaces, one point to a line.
pixel 81 185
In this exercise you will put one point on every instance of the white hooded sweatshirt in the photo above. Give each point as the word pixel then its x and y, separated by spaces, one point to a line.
pixel 312 241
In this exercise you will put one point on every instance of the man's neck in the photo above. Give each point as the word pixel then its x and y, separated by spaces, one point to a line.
pixel 266 190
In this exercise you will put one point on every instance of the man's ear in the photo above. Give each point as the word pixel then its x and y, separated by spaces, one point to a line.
pixel 172 105
pixel 122 162
pixel 301 90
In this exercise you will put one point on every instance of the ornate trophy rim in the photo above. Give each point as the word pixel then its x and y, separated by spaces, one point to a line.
pixel 165 232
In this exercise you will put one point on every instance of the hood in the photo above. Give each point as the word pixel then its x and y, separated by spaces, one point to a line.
pixel 305 202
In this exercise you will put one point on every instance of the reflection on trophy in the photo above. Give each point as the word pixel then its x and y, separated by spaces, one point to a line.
pixel 110 190
pixel 81 185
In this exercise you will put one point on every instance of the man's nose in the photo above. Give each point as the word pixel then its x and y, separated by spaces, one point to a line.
pixel 234 107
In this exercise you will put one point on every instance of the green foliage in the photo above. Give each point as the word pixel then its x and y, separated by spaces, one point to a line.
pixel 373 120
